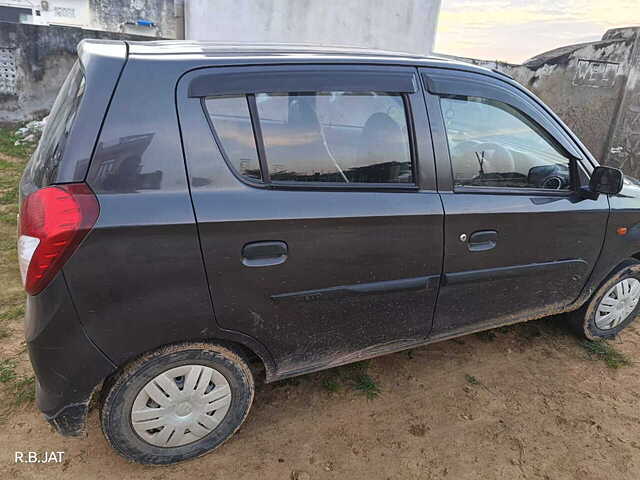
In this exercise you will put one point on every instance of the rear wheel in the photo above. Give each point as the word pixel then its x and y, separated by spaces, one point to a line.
pixel 613 306
pixel 177 403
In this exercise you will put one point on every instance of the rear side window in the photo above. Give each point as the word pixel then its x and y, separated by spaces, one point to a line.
pixel 328 137
pixel 51 148
pixel 231 121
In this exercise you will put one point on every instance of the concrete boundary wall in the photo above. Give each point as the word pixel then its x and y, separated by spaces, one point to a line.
pixel 34 61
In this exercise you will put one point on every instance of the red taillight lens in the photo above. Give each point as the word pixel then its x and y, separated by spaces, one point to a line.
pixel 53 221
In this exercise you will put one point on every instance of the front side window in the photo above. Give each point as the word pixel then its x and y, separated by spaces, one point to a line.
pixel 329 137
pixel 492 144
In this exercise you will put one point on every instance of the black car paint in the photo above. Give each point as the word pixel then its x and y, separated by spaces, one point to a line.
pixel 163 264
pixel 67 364
pixel 395 234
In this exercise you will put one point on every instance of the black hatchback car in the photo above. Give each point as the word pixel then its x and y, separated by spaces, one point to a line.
pixel 194 208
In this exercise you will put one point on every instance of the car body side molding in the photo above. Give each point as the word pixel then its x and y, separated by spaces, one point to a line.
pixel 417 283
pixel 501 273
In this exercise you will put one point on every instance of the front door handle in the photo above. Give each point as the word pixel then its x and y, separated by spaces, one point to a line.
pixel 482 240
pixel 264 254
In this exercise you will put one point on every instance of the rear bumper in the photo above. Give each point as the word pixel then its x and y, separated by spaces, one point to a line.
pixel 68 366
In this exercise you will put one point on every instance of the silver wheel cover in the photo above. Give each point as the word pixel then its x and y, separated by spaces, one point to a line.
pixel 617 304
pixel 181 406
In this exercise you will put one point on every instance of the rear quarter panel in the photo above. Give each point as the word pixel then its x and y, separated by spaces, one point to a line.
pixel 138 280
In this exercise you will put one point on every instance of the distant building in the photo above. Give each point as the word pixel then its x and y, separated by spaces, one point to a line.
pixel 400 25
pixel 152 18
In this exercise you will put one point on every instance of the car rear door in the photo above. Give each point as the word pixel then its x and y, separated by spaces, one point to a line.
pixel 314 192
pixel 520 242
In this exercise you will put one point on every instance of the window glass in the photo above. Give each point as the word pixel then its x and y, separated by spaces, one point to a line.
pixel 335 137
pixel 54 137
pixel 232 122
pixel 493 144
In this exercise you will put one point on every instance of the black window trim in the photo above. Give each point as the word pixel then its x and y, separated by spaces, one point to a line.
pixel 258 138
pixel 574 161
pixel 267 183
pixel 304 78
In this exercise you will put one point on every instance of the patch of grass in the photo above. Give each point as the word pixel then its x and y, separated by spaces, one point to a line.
pixel 21 388
pixel 12 313
pixel 15 389
pixel 355 377
pixel 11 167
pixel 331 383
pixel 471 379
pixel 7 371
pixel 8 146
pixel 5 332
pixel 24 390
pixel 9 218
pixel 358 367
pixel 602 350
pixel 366 385
pixel 487 336
pixel 10 171
pixel 289 382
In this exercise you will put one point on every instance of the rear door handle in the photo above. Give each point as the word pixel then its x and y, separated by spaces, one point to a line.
pixel 482 240
pixel 264 254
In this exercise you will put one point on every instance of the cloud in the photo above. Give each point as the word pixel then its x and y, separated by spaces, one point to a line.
pixel 514 30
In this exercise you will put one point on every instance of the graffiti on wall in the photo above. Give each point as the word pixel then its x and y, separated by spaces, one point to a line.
pixel 594 73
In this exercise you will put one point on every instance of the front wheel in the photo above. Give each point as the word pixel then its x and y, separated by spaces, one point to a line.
pixel 613 306
pixel 177 403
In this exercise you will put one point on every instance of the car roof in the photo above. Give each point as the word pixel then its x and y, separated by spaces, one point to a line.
pixel 219 52
pixel 176 47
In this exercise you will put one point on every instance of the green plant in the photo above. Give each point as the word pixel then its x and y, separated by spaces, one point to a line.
pixel 8 143
pixel 12 313
pixel 354 376
pixel 331 383
pixel 7 371
pixel 364 384
pixel 24 390
pixel 602 350
pixel 471 379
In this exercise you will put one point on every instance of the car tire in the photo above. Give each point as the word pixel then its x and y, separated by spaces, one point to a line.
pixel 177 403
pixel 591 321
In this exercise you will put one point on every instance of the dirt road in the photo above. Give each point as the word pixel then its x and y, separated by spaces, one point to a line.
pixel 523 402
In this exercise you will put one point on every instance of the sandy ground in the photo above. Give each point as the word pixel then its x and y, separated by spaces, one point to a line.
pixel 538 408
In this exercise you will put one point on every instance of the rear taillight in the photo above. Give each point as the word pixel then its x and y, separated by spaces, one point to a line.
pixel 53 221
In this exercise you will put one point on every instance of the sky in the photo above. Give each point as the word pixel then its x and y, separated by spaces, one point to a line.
pixel 515 30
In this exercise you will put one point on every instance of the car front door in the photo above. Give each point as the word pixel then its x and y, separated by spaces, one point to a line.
pixel 315 199
pixel 520 241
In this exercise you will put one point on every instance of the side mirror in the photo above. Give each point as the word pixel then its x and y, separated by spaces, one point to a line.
pixel 605 180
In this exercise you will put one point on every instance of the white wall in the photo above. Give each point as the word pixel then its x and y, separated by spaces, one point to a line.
pixel 401 25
